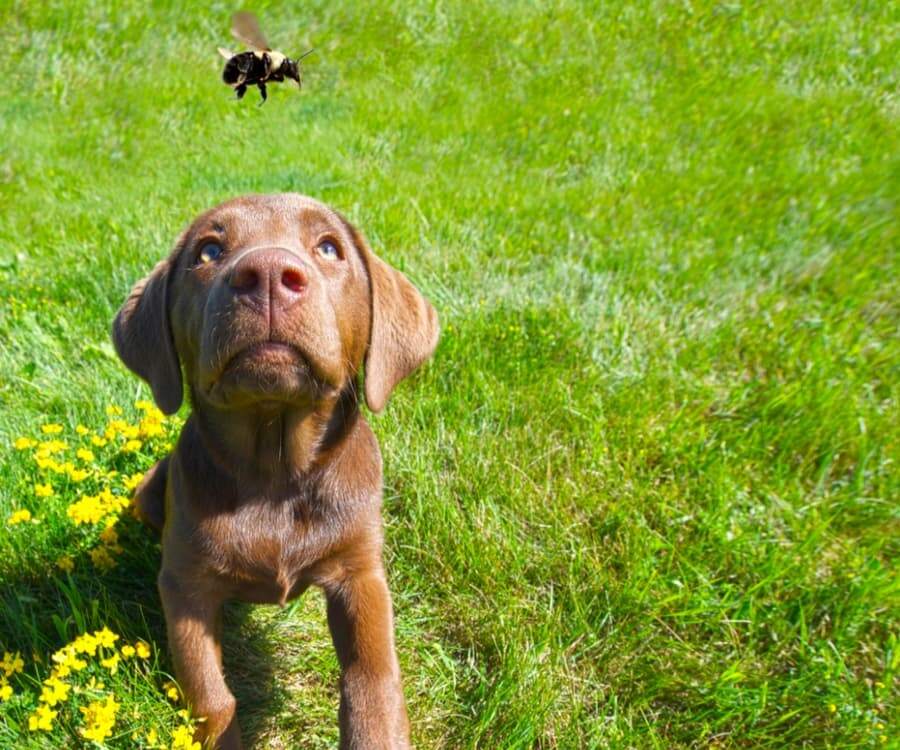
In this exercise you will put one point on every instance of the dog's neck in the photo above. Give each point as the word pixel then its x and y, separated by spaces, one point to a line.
pixel 275 444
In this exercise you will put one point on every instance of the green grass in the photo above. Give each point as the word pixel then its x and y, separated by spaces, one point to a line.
pixel 646 493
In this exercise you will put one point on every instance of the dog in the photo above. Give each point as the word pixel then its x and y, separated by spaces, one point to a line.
pixel 278 317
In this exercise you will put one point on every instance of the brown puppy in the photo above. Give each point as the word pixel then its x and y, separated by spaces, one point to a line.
pixel 271 304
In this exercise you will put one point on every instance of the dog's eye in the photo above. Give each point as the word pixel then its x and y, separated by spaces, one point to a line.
pixel 210 251
pixel 328 250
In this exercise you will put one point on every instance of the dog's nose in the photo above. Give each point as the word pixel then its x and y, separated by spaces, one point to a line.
pixel 271 275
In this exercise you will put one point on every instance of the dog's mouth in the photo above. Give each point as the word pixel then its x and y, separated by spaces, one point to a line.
pixel 266 371
pixel 268 364
pixel 266 352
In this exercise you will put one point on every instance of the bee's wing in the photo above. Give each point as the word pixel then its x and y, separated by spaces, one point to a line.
pixel 225 53
pixel 245 27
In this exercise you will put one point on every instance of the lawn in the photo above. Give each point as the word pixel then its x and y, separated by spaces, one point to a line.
pixel 645 495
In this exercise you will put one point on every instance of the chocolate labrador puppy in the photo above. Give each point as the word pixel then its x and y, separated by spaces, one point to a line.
pixel 269 306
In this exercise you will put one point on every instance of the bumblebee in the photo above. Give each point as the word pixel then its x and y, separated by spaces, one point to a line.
pixel 260 63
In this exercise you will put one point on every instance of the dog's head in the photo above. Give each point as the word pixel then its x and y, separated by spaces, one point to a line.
pixel 273 300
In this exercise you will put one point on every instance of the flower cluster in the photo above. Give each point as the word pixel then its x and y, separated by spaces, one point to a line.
pixel 76 682
pixel 95 508
pixel 12 663
pixel 84 472
pixel 183 739
pixel 84 478
pixel 19 516
pixel 99 718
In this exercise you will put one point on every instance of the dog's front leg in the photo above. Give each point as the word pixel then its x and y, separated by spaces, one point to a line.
pixel 192 621
pixel 372 713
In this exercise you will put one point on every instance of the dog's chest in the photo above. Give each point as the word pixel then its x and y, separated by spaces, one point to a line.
pixel 265 550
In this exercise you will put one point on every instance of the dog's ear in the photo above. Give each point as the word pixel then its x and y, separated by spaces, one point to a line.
pixel 403 331
pixel 142 335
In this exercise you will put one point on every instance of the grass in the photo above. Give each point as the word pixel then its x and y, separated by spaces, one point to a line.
pixel 646 493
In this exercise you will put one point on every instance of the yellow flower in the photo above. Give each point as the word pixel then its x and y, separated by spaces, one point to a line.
pixel 133 481
pixel 102 559
pixel 51 446
pixel 121 427
pixel 142 649
pixel 98 441
pixel 151 427
pixel 84 454
pixel 152 737
pixel 86 644
pixel 171 691
pixel 6 690
pixel 99 718
pixel 183 739
pixel 11 663
pixel 42 719
pixel 132 445
pixel 65 563
pixel 66 660
pixel 113 411
pixel 87 510
pixel 54 691
pixel 127 651
pixel 81 429
pixel 43 490
pixel 19 516
pixel 24 443
pixel 106 637
pixel 114 503
pixel 78 475
pixel 51 429
pixel 49 463
pixel 93 508
pixel 111 663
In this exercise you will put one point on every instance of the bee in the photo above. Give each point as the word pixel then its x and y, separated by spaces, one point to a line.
pixel 260 63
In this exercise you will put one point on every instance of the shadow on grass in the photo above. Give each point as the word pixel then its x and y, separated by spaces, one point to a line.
pixel 248 654
pixel 43 608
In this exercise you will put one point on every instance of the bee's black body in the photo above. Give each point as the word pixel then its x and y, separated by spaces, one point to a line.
pixel 258 64
pixel 254 68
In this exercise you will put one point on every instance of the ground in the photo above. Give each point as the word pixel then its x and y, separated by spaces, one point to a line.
pixel 645 495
